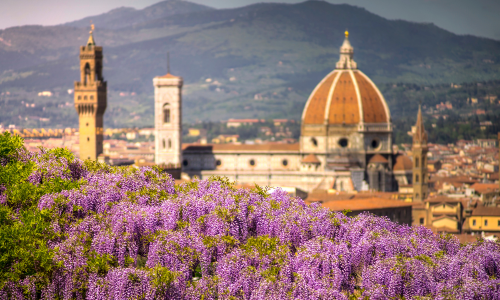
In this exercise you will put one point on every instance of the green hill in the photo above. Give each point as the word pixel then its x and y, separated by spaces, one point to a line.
pixel 275 53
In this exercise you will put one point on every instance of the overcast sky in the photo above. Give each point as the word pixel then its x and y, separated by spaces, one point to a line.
pixel 477 17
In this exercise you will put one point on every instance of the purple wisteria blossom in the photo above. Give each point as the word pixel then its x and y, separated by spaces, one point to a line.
pixel 134 234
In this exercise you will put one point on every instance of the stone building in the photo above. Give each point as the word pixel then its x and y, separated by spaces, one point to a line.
pixel 168 119
pixel 345 143
pixel 91 100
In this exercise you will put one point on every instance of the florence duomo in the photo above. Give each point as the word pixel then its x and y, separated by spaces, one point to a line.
pixel 345 142
pixel 306 150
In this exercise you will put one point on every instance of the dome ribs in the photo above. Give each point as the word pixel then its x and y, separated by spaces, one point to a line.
pixel 344 107
pixel 315 111
pixel 373 105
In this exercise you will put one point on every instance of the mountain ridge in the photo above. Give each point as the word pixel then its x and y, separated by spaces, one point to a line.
pixel 126 16
pixel 277 52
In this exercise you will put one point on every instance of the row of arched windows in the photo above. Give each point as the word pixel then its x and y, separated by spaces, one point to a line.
pixel 91 97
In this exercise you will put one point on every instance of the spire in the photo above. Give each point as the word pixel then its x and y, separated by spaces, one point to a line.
pixel 168 62
pixel 420 136
pixel 346 55
pixel 91 41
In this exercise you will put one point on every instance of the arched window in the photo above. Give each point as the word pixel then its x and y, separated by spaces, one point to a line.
pixel 87 74
pixel 166 113
pixel 416 162
pixel 416 178
pixel 163 142
pixel 169 144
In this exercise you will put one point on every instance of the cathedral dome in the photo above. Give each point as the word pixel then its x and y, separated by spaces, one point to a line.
pixel 346 96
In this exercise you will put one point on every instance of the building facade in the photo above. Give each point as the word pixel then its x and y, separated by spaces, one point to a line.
pixel 168 119
pixel 91 100
pixel 345 143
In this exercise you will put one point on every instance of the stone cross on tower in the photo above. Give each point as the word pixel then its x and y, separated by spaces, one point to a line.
pixel 419 151
pixel 168 118
pixel 91 99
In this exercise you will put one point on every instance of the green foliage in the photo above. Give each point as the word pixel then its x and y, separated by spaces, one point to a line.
pixel 62 153
pixel 10 145
pixel 264 246
pixel 224 181
pixel 23 248
pixel 101 264
pixel 24 229
pixel 264 192
pixel 162 278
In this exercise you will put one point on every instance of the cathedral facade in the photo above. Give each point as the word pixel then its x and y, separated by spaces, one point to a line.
pixel 345 142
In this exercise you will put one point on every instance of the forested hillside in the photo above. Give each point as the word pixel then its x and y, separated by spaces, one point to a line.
pixel 256 61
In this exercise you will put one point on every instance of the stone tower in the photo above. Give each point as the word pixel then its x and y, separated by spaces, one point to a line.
pixel 90 100
pixel 168 119
pixel 419 150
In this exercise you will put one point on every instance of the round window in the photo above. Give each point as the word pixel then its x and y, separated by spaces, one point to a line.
pixel 375 144
pixel 252 162
pixel 285 162
pixel 314 142
pixel 185 163
pixel 343 142
pixel 218 162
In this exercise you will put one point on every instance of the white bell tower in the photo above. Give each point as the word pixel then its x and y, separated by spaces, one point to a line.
pixel 168 119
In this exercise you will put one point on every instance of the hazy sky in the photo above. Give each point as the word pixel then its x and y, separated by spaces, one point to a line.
pixel 478 17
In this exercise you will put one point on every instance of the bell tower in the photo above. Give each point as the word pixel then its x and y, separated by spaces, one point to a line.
pixel 168 118
pixel 419 150
pixel 91 99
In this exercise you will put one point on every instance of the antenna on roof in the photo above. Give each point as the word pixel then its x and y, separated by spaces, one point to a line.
pixel 168 62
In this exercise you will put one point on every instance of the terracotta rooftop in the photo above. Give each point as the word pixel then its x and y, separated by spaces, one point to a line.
pixel 486 211
pixel 377 158
pixel 364 204
pixel 403 163
pixel 168 75
pixel 443 199
pixel 485 187
pixel 325 196
pixel 338 98
pixel 311 159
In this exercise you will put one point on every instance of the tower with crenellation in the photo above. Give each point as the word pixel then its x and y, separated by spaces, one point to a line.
pixel 91 99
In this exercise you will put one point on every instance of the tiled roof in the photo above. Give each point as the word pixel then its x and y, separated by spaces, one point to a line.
pixel 485 187
pixel 403 163
pixel 365 204
pixel 168 75
pixel 338 98
pixel 311 159
pixel 377 158
pixel 486 211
